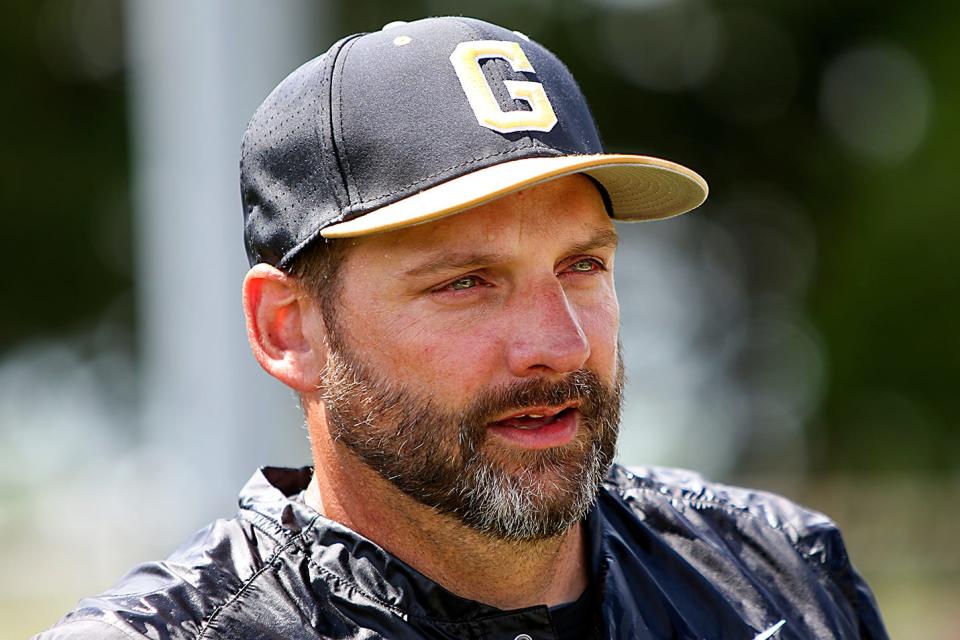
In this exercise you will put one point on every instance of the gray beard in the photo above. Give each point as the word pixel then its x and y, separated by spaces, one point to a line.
pixel 439 458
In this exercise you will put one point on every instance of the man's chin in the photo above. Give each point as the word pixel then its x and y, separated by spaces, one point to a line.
pixel 549 463
pixel 529 505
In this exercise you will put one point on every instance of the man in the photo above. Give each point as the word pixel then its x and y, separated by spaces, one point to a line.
pixel 429 219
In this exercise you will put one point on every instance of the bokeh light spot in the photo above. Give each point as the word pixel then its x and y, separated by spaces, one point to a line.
pixel 663 46
pixel 876 101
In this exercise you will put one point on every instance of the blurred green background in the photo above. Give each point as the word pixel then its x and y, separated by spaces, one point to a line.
pixel 817 288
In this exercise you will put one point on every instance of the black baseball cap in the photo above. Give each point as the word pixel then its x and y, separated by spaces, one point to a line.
pixel 423 120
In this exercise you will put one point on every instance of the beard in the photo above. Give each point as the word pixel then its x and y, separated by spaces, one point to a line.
pixel 445 459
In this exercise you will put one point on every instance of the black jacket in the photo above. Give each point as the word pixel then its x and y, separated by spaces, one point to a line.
pixel 672 557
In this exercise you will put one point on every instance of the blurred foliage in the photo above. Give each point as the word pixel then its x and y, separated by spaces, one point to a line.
pixel 884 296
pixel 63 168
pixel 883 291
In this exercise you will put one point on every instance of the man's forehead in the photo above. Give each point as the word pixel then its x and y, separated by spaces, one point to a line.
pixel 441 259
pixel 568 210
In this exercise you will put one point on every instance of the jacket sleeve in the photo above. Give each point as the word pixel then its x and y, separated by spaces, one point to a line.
pixel 823 545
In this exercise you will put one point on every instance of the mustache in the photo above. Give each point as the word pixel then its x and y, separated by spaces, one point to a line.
pixel 583 387
pixel 348 383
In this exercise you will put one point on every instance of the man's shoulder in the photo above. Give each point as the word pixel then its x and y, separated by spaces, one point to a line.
pixel 759 549
pixel 754 528
pixel 728 510
pixel 179 593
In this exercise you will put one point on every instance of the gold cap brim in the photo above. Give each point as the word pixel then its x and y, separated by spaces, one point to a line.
pixel 639 187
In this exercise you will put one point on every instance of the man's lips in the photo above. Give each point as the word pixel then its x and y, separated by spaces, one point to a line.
pixel 536 412
pixel 539 427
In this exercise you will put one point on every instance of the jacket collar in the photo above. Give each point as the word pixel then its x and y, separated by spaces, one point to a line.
pixel 629 607
pixel 277 494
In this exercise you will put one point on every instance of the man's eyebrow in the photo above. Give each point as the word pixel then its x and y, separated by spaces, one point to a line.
pixel 602 238
pixel 455 262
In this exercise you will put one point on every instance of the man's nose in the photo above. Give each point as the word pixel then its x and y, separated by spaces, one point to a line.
pixel 547 335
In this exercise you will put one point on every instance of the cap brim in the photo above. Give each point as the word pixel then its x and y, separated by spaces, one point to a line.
pixel 639 187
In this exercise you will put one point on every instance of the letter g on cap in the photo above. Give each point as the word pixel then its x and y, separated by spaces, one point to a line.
pixel 466 59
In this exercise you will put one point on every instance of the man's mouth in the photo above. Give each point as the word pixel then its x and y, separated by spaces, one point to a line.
pixel 533 419
pixel 539 427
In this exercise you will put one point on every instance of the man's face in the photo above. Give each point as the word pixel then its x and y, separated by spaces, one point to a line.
pixel 474 360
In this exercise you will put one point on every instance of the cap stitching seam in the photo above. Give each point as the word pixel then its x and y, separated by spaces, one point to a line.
pixel 322 157
pixel 323 153
pixel 329 152
pixel 346 161
pixel 334 159
pixel 293 251
pixel 533 143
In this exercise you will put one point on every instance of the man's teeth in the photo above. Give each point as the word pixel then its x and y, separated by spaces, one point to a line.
pixel 530 420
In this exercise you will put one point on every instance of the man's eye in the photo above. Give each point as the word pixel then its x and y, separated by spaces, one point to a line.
pixel 466 282
pixel 585 265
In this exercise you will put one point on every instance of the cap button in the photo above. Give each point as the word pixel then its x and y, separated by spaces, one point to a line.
pixel 395 23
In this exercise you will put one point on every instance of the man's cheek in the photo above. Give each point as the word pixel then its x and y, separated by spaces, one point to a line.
pixel 440 356
pixel 601 322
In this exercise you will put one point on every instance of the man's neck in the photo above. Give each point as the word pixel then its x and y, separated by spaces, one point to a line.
pixel 507 575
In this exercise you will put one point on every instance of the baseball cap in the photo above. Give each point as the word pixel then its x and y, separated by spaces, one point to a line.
pixel 423 120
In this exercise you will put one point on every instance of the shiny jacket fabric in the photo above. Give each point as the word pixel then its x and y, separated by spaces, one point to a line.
pixel 672 557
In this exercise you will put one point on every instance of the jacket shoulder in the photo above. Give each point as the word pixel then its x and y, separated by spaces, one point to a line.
pixel 807 530
pixel 176 594
pixel 735 514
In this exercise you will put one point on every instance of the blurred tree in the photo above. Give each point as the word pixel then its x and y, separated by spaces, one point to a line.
pixel 63 167
pixel 761 97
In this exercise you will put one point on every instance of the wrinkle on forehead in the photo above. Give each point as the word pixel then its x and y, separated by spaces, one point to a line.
pixel 443 260
pixel 505 225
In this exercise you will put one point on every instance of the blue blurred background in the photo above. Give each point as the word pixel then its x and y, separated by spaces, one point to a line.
pixel 797 333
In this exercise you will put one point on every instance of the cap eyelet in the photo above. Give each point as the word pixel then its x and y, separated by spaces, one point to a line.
pixel 399 41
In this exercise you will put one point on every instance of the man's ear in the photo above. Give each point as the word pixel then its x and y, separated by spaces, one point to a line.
pixel 284 328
